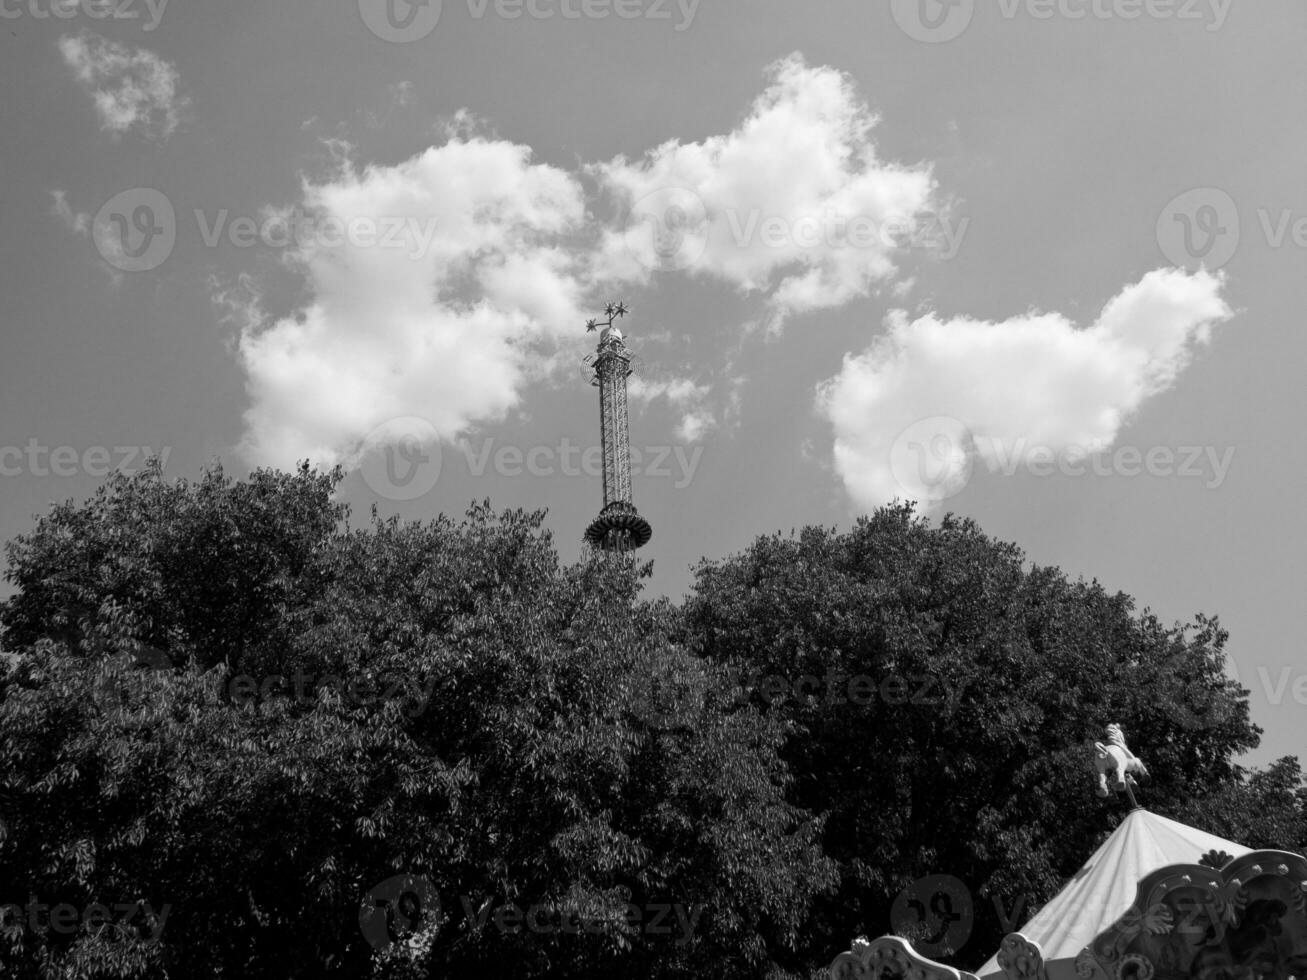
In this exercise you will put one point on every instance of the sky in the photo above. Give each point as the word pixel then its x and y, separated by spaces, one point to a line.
pixel 1036 262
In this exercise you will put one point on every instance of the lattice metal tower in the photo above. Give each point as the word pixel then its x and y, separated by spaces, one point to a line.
pixel 619 527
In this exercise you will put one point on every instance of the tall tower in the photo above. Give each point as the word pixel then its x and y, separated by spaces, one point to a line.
pixel 619 527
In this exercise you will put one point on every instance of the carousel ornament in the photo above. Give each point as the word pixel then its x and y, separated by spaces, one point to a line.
pixel 1215 859
pixel 1115 761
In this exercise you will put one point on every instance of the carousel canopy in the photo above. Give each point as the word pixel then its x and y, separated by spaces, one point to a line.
pixel 1104 889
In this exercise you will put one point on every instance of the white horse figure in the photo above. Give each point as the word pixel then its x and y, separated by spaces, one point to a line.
pixel 1116 758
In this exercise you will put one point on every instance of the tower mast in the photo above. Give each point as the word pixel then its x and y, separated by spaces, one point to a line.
pixel 619 527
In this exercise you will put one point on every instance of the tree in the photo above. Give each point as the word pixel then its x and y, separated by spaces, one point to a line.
pixel 240 717
pixel 941 699
pixel 1259 809
pixel 204 569
pixel 276 745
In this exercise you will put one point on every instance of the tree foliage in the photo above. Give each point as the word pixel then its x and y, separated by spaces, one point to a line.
pixel 497 744
pixel 240 718
pixel 963 749
pixel 1259 809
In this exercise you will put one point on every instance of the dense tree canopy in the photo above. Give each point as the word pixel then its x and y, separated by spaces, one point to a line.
pixel 495 744
pixel 957 695
pixel 271 744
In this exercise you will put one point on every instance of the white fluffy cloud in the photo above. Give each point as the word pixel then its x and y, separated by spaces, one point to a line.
pixel 494 259
pixel 914 410
pixel 432 313
pixel 499 256
pixel 794 203
pixel 133 89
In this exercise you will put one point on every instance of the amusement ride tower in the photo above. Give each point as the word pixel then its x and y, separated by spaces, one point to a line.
pixel 619 527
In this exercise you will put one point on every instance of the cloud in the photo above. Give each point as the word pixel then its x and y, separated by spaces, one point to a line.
pixel 238 303
pixel 963 390
pixel 78 222
pixel 794 203
pixel 444 323
pixel 695 425
pixel 398 95
pixel 132 89
pixel 682 393
pixel 675 390
pixel 503 257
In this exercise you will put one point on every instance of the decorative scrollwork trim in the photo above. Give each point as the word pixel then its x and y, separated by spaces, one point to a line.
pixel 893 956
pixel 1021 958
